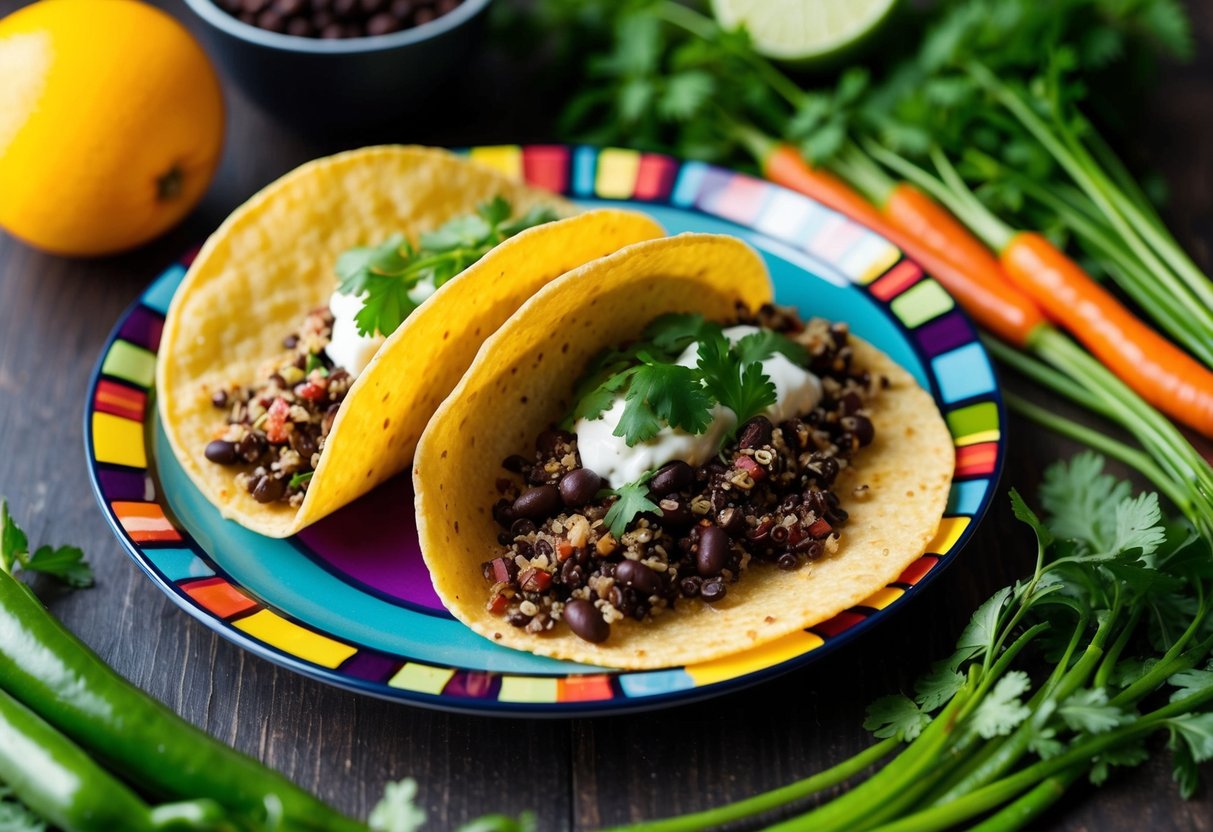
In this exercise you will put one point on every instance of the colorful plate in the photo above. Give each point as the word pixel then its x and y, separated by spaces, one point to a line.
pixel 349 600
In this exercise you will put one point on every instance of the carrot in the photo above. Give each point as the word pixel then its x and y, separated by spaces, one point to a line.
pixel 927 233
pixel 931 235
pixel 1160 372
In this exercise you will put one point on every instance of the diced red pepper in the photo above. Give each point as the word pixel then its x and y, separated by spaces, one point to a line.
pixel 311 391
pixel 820 528
pixel 498 604
pixel 534 580
pixel 275 423
pixel 564 550
pixel 751 467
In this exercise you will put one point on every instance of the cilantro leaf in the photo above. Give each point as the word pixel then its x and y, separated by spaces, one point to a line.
pixel 1082 501
pixel 384 275
pixel 672 333
pixel 663 394
pixel 1089 711
pixel 761 345
pixel 1190 682
pixel 1138 524
pixel 300 479
pixel 979 634
pixel 1123 756
pixel 1196 731
pixel 896 716
pixel 1001 710
pixel 633 500
pixel 937 686
pixel 397 810
pixel 1025 515
pixel 740 386
pixel 65 563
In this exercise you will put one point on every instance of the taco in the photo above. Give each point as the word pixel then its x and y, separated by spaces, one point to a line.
pixel 322 324
pixel 651 465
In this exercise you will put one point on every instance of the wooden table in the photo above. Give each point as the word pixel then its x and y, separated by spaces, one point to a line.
pixel 54 317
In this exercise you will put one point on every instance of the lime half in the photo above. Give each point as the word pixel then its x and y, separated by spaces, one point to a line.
pixel 804 30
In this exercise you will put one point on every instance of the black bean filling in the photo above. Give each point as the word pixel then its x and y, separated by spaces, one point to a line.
pixel 337 18
pixel 276 427
pixel 768 496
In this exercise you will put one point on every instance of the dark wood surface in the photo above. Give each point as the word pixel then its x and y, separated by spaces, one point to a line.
pixel 580 774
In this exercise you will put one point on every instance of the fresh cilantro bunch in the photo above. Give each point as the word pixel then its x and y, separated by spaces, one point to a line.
pixel 658 392
pixel 64 562
pixel 387 274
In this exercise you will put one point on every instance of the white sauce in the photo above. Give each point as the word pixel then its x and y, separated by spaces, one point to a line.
pixel 796 390
pixel 347 348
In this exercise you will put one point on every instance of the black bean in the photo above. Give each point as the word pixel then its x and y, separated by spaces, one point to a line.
pixel 538 503
pixel 788 562
pixel 860 427
pixel 584 620
pixel 505 538
pixel 755 433
pixel 330 415
pixel 633 573
pixel 219 398
pixel 300 27
pixel 850 403
pixel 571 574
pixel 713 591
pixel 779 534
pixel 223 453
pixel 447 6
pixel 675 476
pixel 269 489
pixel 522 527
pixel 689 586
pixel 675 514
pixel 251 447
pixel 303 443
pixel 382 24
pixel 402 9
pixel 519 619
pixel 731 519
pixel 713 551
pixel 423 16
pixel 811 548
pixel 542 547
pixel 332 31
pixel 578 487
pixel 516 463
pixel 503 512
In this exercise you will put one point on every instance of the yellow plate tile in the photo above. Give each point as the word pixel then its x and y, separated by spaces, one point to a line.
pixel 118 441
pixel 505 158
pixel 527 689
pixel 422 678
pixel 617 170
pixel 310 646
pixel 756 658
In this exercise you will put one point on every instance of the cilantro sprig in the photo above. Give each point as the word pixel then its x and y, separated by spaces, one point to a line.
pixel 633 501
pixel 66 563
pixel 658 392
pixel 388 273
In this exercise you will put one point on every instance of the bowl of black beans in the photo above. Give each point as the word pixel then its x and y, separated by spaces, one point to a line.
pixel 340 64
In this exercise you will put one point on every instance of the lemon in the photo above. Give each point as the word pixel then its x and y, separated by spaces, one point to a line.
pixel 804 31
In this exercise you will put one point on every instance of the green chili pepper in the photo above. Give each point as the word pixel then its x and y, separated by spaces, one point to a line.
pixel 62 785
pixel 58 677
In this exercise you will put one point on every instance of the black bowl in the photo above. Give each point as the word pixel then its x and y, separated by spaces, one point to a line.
pixel 349 83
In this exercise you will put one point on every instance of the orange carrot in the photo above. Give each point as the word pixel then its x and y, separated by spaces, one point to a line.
pixel 1159 371
pixel 928 234
pixel 962 263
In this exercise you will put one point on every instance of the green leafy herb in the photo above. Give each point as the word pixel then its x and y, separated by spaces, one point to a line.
pixel 299 479
pixel 736 383
pixel 388 276
pixel 896 716
pixel 633 500
pixel 1001 710
pixel 313 364
pixel 66 563
pixel 661 394
pixel 397 810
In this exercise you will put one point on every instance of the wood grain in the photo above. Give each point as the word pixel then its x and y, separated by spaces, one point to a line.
pixel 54 317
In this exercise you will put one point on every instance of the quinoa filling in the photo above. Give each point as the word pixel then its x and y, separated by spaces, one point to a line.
pixel 768 495
pixel 276 427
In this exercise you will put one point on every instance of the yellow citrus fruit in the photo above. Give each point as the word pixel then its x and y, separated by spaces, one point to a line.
pixel 111 124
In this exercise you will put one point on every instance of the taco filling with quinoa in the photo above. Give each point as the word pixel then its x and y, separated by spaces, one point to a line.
pixel 693 452
pixel 275 428
pixel 650 465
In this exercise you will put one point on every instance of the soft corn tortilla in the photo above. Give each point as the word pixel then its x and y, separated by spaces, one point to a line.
pixel 521 382
pixel 272 261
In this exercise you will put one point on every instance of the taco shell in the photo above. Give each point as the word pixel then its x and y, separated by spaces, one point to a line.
pixel 522 381
pixel 273 260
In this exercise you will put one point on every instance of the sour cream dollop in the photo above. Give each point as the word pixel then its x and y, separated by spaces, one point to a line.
pixel 347 347
pixel 796 391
